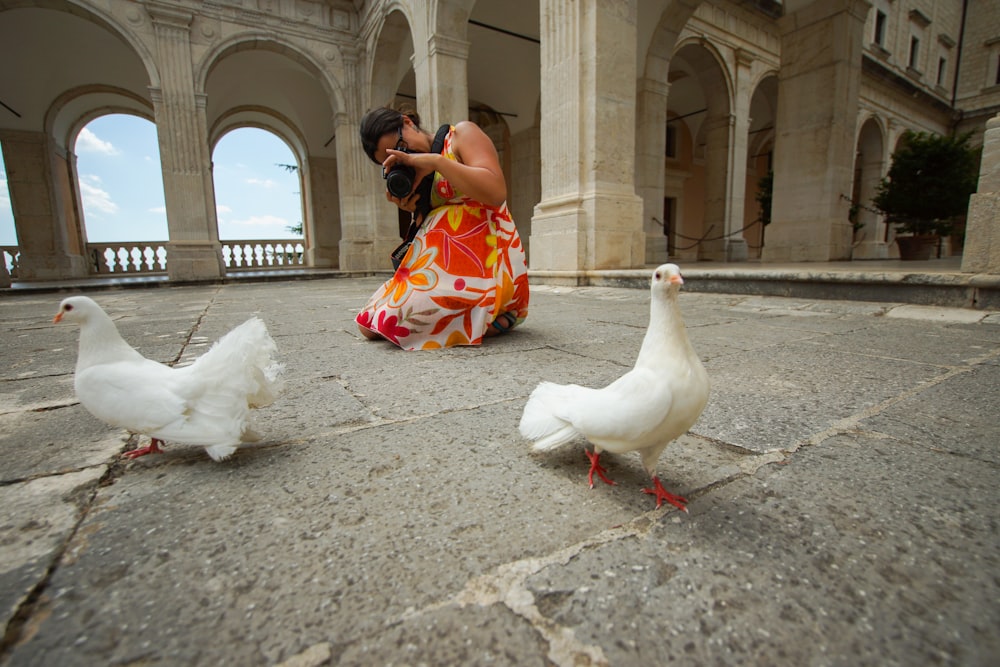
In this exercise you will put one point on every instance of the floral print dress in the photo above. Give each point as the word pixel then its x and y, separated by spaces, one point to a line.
pixel 464 269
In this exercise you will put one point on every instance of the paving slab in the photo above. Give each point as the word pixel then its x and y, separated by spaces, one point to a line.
pixel 842 480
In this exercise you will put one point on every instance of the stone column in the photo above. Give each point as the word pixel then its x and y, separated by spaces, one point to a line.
pixel 651 141
pixel 322 231
pixel 525 181
pixel 736 186
pixel 368 223
pixel 43 202
pixel 589 216
pixel 718 131
pixel 818 84
pixel 981 253
pixel 194 251
pixel 442 81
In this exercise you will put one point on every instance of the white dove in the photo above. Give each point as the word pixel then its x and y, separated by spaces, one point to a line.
pixel 206 403
pixel 644 410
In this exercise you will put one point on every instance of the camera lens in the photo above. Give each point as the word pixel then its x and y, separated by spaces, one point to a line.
pixel 399 180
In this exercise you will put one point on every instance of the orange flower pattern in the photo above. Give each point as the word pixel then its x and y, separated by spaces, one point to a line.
pixel 464 268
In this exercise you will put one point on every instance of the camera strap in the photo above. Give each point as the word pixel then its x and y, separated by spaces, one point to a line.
pixel 423 204
pixel 424 188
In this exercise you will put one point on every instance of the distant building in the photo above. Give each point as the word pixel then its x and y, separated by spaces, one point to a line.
pixel 630 130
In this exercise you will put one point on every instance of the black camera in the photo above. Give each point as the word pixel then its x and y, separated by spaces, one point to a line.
pixel 399 180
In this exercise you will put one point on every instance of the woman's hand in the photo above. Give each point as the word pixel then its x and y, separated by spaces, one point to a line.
pixel 407 203
pixel 422 164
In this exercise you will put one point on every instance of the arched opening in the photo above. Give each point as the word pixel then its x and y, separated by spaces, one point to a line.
pixel 870 232
pixel 699 98
pixel 119 180
pixel 119 191
pixel 258 199
pixel 265 93
pixel 760 151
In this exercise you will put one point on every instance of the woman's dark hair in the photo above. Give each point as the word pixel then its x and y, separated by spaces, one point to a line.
pixel 382 121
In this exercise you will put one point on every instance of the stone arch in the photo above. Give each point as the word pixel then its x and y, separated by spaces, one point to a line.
pixel 112 69
pixel 75 108
pixel 276 44
pixel 701 60
pixel 392 52
pixel 701 95
pixel 296 98
pixel 656 49
pixel 98 16
pixel 264 119
pixel 67 116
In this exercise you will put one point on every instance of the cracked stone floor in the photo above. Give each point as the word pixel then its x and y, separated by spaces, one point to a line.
pixel 843 484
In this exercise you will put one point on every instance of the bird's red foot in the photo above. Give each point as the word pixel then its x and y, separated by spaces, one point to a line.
pixel 596 467
pixel 662 494
pixel 153 448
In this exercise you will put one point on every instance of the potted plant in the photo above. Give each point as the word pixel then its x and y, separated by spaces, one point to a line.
pixel 927 190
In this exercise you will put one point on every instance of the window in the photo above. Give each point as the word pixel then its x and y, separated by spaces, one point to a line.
pixel 914 52
pixel 880 28
pixel 996 77
pixel 942 68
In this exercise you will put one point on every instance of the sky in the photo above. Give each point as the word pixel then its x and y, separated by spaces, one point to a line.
pixel 121 184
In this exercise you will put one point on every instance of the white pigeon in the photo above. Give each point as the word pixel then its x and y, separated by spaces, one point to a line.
pixel 644 410
pixel 206 403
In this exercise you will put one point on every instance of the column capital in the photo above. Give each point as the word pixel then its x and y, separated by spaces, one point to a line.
pixel 653 86
pixel 444 45
pixel 166 16
pixel 744 58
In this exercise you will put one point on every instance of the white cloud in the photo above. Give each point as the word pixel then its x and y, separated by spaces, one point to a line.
pixel 158 209
pixel 88 142
pixel 94 198
pixel 262 182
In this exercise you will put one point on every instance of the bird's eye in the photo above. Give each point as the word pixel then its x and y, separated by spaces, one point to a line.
pixel 68 307
pixel 657 275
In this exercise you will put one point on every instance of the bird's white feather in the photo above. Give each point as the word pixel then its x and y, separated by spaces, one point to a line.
pixel 658 400
pixel 207 403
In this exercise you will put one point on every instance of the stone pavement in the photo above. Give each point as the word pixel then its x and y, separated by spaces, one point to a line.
pixel 843 484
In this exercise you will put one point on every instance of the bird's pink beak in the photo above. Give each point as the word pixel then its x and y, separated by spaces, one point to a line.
pixel 676 279
pixel 55 320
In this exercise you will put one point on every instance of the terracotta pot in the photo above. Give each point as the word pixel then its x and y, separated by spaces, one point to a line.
pixel 921 246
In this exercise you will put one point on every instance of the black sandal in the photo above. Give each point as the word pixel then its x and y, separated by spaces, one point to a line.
pixel 509 318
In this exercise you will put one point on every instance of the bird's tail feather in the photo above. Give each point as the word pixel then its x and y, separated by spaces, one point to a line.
pixel 541 422
pixel 220 452
pixel 245 359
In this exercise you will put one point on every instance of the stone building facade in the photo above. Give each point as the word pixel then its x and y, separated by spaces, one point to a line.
pixel 630 130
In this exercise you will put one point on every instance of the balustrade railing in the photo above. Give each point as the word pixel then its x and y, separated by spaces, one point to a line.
pixel 270 254
pixel 150 257
pixel 145 257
